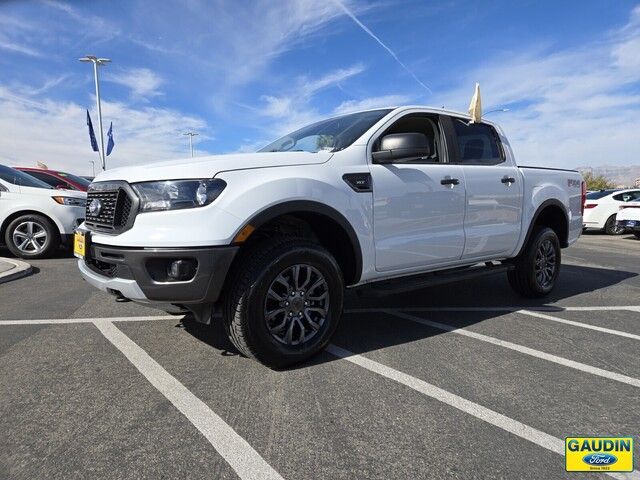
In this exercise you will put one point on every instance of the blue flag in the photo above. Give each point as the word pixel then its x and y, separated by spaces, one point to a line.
pixel 110 143
pixel 92 136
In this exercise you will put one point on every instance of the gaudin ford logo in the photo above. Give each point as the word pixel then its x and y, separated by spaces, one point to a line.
pixel 95 206
pixel 588 454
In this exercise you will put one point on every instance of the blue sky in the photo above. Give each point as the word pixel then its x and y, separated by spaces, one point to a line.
pixel 240 73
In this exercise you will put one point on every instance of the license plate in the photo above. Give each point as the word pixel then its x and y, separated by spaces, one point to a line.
pixel 79 244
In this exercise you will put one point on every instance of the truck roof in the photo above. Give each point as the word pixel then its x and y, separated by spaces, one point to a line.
pixel 430 109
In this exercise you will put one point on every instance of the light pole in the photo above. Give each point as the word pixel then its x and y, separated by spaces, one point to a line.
pixel 191 135
pixel 96 63
pixel 93 167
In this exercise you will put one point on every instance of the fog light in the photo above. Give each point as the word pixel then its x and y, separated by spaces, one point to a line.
pixel 181 270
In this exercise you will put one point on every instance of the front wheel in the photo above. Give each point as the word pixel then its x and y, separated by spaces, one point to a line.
pixel 537 269
pixel 284 301
pixel 32 236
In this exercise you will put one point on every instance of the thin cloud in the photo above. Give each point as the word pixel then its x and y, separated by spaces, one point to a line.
pixel 142 82
pixel 381 43
pixel 19 48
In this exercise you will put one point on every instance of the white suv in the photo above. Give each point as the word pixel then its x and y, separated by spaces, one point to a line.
pixel 34 217
pixel 602 206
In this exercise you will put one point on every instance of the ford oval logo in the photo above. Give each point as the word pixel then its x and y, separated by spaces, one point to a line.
pixel 94 207
pixel 599 459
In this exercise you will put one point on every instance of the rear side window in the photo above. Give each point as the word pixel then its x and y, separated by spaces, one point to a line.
pixel 599 194
pixel 628 196
pixel 477 143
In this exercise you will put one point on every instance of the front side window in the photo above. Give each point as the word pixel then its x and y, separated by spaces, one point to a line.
pixel 424 124
pixel 16 177
pixel 328 135
pixel 477 143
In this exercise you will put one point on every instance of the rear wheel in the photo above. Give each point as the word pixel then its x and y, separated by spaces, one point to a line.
pixel 611 228
pixel 537 269
pixel 32 236
pixel 637 234
pixel 284 301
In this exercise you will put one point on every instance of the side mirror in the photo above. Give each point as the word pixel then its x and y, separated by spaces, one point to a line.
pixel 402 146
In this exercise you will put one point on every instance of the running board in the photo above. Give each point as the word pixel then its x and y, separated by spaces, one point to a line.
pixel 416 282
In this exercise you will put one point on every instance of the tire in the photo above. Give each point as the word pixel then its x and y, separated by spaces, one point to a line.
pixel 527 278
pixel 32 236
pixel 260 286
pixel 637 235
pixel 611 228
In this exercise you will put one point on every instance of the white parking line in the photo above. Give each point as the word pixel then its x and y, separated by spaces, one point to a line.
pixel 579 324
pixel 148 318
pixel 242 458
pixel 57 321
pixel 485 414
pixel 522 349
pixel 546 308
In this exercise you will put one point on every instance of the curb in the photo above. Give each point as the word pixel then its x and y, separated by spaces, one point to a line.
pixel 18 269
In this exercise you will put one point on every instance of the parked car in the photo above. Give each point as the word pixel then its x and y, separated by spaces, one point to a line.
pixel 57 179
pixel 395 199
pixel 34 217
pixel 602 206
pixel 628 217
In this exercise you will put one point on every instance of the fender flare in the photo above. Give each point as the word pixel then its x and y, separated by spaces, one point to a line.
pixel 308 206
pixel 547 203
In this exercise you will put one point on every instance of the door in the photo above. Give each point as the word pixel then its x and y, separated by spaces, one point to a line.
pixel 418 203
pixel 494 189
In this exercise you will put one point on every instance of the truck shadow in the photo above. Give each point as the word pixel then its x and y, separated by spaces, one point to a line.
pixel 366 327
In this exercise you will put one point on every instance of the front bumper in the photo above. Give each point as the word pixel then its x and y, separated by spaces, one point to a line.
pixel 128 271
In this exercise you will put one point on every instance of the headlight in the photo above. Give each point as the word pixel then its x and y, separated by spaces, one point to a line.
pixel 71 201
pixel 177 194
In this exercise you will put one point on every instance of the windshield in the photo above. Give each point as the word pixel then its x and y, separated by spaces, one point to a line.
pixel 599 194
pixel 329 135
pixel 17 177
pixel 74 178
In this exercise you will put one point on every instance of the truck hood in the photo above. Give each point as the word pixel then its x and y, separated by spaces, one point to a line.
pixel 209 166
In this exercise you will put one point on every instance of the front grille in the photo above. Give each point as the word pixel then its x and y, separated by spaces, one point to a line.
pixel 117 207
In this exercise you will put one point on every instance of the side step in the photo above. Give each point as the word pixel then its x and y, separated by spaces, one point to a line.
pixel 416 282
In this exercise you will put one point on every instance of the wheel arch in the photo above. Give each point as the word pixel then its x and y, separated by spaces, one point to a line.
pixel 553 214
pixel 329 226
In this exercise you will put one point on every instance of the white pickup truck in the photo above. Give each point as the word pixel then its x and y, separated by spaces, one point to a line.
pixel 266 242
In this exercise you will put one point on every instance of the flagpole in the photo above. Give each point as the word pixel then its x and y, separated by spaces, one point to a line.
pixel 96 63
pixel 102 157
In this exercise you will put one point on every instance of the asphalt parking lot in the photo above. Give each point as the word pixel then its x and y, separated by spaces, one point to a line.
pixel 459 381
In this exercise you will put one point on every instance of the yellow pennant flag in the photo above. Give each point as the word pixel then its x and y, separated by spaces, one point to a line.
pixel 475 107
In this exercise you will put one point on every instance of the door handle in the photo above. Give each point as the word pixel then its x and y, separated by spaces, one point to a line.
pixel 449 181
pixel 508 180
